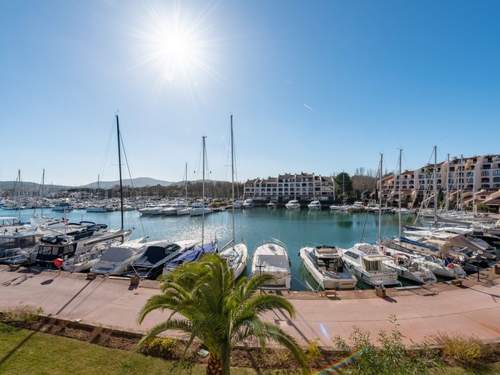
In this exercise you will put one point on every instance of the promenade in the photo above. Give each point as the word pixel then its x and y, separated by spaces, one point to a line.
pixel 472 311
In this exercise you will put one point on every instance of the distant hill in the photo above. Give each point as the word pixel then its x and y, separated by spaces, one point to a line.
pixel 139 182
pixel 135 182
pixel 30 186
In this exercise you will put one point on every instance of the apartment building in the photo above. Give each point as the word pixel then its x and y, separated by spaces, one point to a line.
pixel 303 186
pixel 459 174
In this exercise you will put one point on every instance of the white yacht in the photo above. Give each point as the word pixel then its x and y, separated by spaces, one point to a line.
pixel 438 266
pixel 271 258
pixel 74 242
pixel 151 210
pixel 293 204
pixel 184 211
pixel 314 205
pixel 236 257
pixel 248 203
pixel 238 203
pixel 97 209
pixel 198 209
pixel 116 259
pixel 85 260
pixel 169 211
pixel 407 268
pixel 271 205
pixel 365 262
pixel 325 265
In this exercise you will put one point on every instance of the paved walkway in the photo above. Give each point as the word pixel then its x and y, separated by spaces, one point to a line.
pixel 470 311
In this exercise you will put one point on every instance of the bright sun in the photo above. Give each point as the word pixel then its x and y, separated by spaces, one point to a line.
pixel 174 47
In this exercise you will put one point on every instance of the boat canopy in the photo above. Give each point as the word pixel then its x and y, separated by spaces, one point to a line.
pixel 155 253
pixel 117 254
pixel 192 255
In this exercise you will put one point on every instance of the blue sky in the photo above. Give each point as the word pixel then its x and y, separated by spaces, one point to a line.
pixel 317 86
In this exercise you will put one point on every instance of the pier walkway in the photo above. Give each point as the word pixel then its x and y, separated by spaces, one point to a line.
pixel 472 311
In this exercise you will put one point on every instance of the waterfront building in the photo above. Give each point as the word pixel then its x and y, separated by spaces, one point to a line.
pixel 302 186
pixel 462 178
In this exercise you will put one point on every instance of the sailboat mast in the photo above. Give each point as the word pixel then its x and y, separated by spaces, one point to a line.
pixel 203 193
pixel 380 201
pixel 399 192
pixel 435 186
pixel 462 181
pixel 186 182
pixel 120 168
pixel 232 176
pixel 447 203
pixel 42 192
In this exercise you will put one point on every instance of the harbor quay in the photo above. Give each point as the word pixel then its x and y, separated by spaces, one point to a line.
pixel 472 309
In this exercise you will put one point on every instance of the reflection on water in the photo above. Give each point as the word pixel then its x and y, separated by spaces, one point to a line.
pixel 296 228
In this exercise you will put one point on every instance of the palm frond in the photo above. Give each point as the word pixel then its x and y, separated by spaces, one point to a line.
pixel 170 324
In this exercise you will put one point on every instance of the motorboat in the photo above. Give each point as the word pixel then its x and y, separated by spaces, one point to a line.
pixel 367 264
pixel 238 204
pixel 190 255
pixel 150 264
pixel 63 207
pixel 314 205
pixel 325 265
pixel 169 211
pixel 236 257
pixel 183 211
pixel 271 258
pixel 293 204
pixel 97 209
pixel 446 268
pixel 116 259
pixel 271 205
pixel 199 209
pixel 85 239
pixel 248 203
pixel 151 211
pixel 407 268
pixel 85 260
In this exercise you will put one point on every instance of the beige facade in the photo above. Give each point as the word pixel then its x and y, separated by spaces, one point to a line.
pixel 463 175
pixel 303 186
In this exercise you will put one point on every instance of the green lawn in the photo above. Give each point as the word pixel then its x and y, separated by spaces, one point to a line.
pixel 54 355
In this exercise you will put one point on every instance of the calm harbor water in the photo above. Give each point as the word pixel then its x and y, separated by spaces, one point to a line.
pixel 254 226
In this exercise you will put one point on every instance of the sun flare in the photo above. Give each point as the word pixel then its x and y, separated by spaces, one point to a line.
pixel 174 46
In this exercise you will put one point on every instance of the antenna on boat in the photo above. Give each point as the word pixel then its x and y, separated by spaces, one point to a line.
pixel 120 168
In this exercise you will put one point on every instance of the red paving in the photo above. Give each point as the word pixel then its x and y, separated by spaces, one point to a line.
pixel 106 302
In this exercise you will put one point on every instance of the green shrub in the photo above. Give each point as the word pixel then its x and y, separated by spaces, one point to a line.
pixel 313 351
pixel 23 314
pixel 466 351
pixel 389 357
pixel 159 347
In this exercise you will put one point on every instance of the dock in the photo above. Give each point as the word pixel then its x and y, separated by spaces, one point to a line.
pixel 472 309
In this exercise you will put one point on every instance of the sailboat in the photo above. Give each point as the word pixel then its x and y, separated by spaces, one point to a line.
pixel 184 210
pixel 196 252
pixel 93 251
pixel 366 261
pixel 404 265
pixel 236 254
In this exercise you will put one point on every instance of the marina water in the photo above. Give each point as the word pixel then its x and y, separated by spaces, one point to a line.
pixel 295 228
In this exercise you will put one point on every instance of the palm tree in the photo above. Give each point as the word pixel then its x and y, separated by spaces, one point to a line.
pixel 218 311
